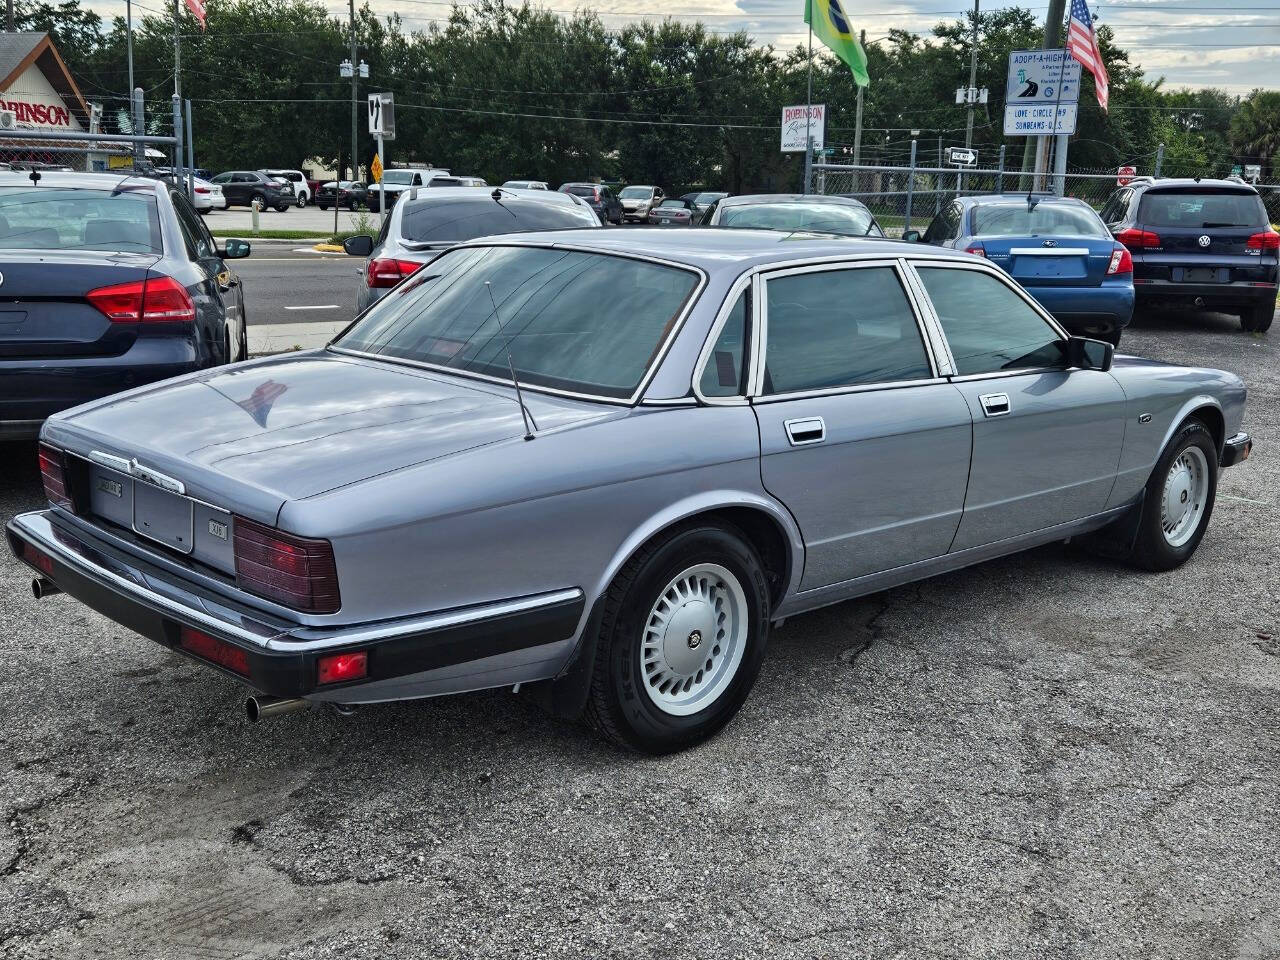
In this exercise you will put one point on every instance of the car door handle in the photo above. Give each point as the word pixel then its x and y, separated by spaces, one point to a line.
pixel 995 404
pixel 806 430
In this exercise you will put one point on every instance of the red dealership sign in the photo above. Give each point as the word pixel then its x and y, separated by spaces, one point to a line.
pixel 40 113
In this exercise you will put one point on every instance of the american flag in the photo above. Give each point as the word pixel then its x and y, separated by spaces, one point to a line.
pixel 1082 43
pixel 197 10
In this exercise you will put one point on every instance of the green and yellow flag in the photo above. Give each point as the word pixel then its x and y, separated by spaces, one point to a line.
pixel 828 20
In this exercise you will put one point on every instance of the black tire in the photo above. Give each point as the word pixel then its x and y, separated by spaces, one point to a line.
pixel 1257 319
pixel 282 207
pixel 1151 549
pixel 1113 337
pixel 302 202
pixel 618 706
pixel 322 206
pixel 352 205
pixel 261 198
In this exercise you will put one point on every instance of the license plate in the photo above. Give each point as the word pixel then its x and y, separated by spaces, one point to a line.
pixel 1200 275
pixel 164 517
pixel 664 220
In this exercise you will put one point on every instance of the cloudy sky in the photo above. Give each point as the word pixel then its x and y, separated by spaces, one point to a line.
pixel 1233 44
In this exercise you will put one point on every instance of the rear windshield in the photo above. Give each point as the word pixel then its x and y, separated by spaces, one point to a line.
pixel 583 191
pixel 1043 220
pixel 466 218
pixel 583 322
pixel 68 219
pixel 1202 209
pixel 836 218
pixel 398 176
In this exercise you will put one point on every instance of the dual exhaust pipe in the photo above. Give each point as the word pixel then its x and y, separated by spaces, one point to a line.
pixel 257 708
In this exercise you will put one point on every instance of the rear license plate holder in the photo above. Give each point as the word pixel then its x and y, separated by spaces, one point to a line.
pixel 1200 275
pixel 164 517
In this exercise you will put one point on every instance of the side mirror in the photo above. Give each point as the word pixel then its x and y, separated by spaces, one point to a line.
pixel 911 236
pixel 361 245
pixel 235 249
pixel 1089 354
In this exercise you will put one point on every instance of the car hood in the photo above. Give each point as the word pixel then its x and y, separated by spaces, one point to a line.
pixel 254 435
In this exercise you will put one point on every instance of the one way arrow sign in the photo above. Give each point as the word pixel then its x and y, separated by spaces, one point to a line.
pixel 962 156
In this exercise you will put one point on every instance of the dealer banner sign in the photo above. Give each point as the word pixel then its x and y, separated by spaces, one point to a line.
pixel 45 115
pixel 801 122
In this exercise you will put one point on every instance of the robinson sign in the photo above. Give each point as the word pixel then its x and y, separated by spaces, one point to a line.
pixel 799 123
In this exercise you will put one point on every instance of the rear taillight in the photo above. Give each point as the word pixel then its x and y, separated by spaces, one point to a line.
pixel 977 250
pixel 1267 240
pixel 387 272
pixel 1138 239
pixel 53 471
pixel 297 572
pixel 154 300
pixel 1121 262
pixel 202 190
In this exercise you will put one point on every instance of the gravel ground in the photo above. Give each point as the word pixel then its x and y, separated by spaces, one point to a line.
pixel 1045 756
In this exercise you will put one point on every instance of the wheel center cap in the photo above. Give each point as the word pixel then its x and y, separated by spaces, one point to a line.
pixel 1179 496
pixel 684 642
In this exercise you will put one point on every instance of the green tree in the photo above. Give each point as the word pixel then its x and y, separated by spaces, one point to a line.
pixel 1255 128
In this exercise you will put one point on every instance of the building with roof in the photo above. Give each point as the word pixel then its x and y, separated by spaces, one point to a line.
pixel 37 87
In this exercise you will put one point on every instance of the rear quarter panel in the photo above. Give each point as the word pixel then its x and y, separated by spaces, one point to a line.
pixel 1169 394
pixel 523 517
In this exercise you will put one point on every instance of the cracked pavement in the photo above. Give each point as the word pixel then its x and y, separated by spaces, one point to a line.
pixel 1050 755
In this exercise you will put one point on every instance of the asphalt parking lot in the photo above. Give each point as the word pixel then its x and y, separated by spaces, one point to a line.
pixel 1045 756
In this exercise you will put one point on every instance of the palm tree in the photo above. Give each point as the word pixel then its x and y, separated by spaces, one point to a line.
pixel 1255 128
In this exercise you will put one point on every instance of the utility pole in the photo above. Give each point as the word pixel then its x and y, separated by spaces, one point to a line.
pixel 1036 150
pixel 355 113
pixel 973 76
pixel 128 35
pixel 177 90
pixel 857 130
pixel 10 26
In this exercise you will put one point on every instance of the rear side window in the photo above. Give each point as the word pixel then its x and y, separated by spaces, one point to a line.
pixel 67 219
pixel 988 327
pixel 840 328
pixel 431 221
pixel 1202 209
pixel 722 376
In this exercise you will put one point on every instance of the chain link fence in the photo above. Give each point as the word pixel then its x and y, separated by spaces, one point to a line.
pixel 908 198
pixel 29 149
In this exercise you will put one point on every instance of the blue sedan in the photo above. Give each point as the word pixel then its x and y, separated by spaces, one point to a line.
pixel 1056 247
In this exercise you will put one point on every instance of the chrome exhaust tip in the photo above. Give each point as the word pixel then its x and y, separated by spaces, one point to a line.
pixel 261 707
pixel 42 587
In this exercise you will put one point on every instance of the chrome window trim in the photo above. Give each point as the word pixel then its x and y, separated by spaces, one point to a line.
pixel 827 266
pixel 681 317
pixel 945 362
pixel 743 283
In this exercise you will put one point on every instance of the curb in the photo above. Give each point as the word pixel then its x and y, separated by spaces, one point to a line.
pixel 328 248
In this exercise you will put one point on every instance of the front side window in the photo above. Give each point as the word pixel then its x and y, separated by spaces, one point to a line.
pixel 123 221
pixel 841 328
pixel 583 322
pixel 723 374
pixel 988 327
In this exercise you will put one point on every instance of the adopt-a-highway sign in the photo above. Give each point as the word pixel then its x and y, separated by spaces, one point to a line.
pixel 1042 76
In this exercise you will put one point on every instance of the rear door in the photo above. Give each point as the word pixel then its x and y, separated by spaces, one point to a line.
pixel 215 293
pixel 861 439
pixel 1046 439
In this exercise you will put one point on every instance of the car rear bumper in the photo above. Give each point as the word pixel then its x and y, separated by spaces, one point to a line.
pixel 1236 449
pixel 1108 305
pixel 467 648
pixel 1212 294
pixel 32 389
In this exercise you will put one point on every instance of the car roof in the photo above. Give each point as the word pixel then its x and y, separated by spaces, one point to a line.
pixel 82 181
pixel 712 247
pixel 1020 199
pixel 1189 183
pixel 748 199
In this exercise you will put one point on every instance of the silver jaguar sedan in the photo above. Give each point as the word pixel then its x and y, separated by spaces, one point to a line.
pixel 597 466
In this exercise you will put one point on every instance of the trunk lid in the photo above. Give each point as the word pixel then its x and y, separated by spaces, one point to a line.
pixel 43 310
pixel 1079 261
pixel 254 436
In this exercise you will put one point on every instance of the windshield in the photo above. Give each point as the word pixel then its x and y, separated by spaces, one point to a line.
pixel 467 218
pixel 1201 209
pixel 583 322
pixel 706 198
pixel 1046 219
pixel 398 176
pixel 635 193
pixel 847 221
pixel 61 219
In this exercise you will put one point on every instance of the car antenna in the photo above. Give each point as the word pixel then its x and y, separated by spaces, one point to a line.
pixel 530 424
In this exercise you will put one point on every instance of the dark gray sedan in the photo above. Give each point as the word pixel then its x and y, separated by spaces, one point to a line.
pixel 842 216
pixel 595 466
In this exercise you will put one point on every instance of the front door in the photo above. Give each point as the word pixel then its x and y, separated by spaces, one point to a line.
pixel 1046 439
pixel 866 447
